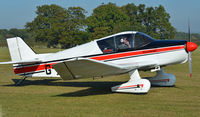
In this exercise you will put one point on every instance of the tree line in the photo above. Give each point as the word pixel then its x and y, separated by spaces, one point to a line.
pixel 184 36
pixel 65 28
pixel 4 34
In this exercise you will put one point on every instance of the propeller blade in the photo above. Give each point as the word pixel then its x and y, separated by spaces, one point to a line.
pixel 189 35
pixel 189 53
pixel 190 63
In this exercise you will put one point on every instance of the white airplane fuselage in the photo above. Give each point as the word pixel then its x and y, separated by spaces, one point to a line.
pixel 149 57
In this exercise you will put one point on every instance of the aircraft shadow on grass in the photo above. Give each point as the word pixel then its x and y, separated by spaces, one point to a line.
pixel 95 87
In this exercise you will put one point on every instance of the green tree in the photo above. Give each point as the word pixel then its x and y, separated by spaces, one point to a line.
pixel 104 18
pixel 164 29
pixel 46 26
pixel 100 32
pixel 155 22
pixel 109 18
pixel 131 10
pixel 74 28
pixel 141 17
pixel 56 25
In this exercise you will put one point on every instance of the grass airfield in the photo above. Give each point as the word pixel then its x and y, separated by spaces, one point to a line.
pixel 53 97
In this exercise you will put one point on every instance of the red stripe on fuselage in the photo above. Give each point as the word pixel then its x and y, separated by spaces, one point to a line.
pixel 134 53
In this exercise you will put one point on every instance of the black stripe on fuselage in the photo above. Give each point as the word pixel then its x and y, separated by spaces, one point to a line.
pixel 164 43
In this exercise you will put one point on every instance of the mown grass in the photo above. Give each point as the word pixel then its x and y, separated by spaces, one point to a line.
pixel 52 97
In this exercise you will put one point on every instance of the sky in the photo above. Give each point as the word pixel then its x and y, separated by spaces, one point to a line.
pixel 16 13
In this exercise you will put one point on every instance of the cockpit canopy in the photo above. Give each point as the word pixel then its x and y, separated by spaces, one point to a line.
pixel 124 42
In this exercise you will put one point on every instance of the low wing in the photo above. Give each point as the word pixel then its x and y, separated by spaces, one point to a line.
pixel 83 67
pixel 140 64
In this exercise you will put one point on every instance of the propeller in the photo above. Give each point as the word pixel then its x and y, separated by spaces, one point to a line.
pixel 190 47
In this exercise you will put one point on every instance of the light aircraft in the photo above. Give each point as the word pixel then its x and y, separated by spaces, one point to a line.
pixel 125 52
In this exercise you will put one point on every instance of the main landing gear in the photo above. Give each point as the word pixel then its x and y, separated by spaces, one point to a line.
pixel 134 85
pixel 138 85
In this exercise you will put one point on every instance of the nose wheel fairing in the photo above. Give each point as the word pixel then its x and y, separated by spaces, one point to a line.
pixel 162 79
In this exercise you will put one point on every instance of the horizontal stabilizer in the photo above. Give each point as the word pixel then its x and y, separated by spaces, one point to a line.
pixel 21 62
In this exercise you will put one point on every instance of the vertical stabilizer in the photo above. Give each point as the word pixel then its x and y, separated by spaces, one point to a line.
pixel 19 50
pixel 26 62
